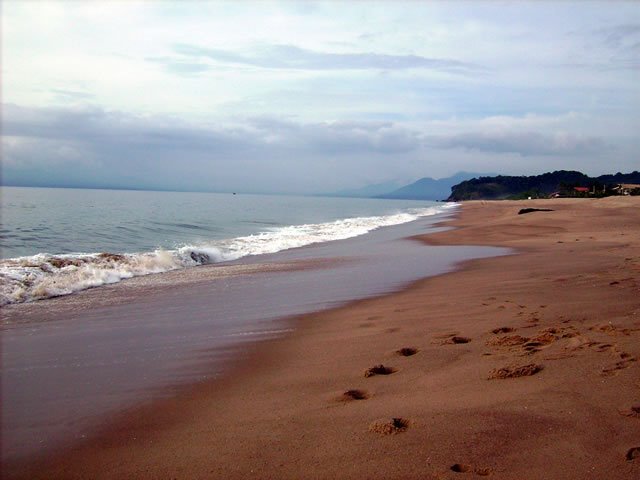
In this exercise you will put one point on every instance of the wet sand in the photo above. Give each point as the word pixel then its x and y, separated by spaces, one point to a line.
pixel 520 366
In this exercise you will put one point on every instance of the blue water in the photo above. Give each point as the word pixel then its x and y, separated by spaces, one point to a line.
pixel 59 241
pixel 59 220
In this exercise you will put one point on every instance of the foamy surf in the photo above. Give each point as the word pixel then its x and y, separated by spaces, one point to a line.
pixel 36 277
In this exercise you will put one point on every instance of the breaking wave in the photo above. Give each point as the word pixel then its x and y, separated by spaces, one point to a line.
pixel 45 275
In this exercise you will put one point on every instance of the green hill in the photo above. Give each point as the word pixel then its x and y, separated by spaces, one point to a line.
pixel 537 186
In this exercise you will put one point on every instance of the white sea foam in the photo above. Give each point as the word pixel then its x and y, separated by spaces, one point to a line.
pixel 45 275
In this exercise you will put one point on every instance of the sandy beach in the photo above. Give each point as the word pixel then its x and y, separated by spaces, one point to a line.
pixel 518 367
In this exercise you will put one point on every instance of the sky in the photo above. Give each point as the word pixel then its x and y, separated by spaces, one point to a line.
pixel 313 97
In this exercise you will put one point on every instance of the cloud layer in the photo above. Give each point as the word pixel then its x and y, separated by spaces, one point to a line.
pixel 109 148
pixel 280 97
pixel 296 58
pixel 526 143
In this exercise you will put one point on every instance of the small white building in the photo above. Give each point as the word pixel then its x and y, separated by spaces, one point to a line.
pixel 627 188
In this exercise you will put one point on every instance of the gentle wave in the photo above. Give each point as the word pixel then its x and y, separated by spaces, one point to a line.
pixel 46 275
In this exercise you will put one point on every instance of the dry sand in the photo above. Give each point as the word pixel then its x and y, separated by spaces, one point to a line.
pixel 518 367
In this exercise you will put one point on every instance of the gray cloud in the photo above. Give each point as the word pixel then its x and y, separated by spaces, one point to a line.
pixel 624 41
pixel 95 126
pixel 523 143
pixel 96 147
pixel 92 125
pixel 338 137
pixel 90 145
pixel 620 35
pixel 609 48
pixel 292 57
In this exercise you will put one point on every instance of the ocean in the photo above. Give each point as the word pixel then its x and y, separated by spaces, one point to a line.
pixel 59 241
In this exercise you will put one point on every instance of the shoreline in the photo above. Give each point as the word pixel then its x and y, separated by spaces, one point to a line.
pixel 283 412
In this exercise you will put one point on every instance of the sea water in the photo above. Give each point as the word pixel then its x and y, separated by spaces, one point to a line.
pixel 58 241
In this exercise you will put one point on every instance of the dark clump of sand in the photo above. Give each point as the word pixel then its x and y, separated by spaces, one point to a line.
pixel 407 351
pixel 379 370
pixel 354 395
pixel 633 453
pixel 460 468
pixel 502 330
pixel 456 339
pixel 522 211
pixel 463 468
pixel 634 411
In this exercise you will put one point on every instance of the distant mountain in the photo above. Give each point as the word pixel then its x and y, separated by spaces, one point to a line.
pixel 429 188
pixel 369 191
pixel 561 181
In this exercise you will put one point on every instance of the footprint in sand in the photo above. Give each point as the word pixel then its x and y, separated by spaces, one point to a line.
pixel 540 341
pixel 569 332
pixel 614 369
pixel 633 412
pixel 444 338
pixel 507 341
pixel 445 335
pixel 529 345
pixel 378 370
pixel 610 329
pixel 389 426
pixel 603 347
pixel 460 468
pixel 463 468
pixel 456 339
pixel 633 454
pixel 545 337
pixel 502 330
pixel 407 351
pixel 515 371
pixel 483 472
pixel 354 394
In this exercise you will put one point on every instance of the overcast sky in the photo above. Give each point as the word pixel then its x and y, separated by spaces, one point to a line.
pixel 307 97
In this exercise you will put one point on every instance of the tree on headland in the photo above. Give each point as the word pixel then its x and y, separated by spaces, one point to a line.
pixel 566 183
